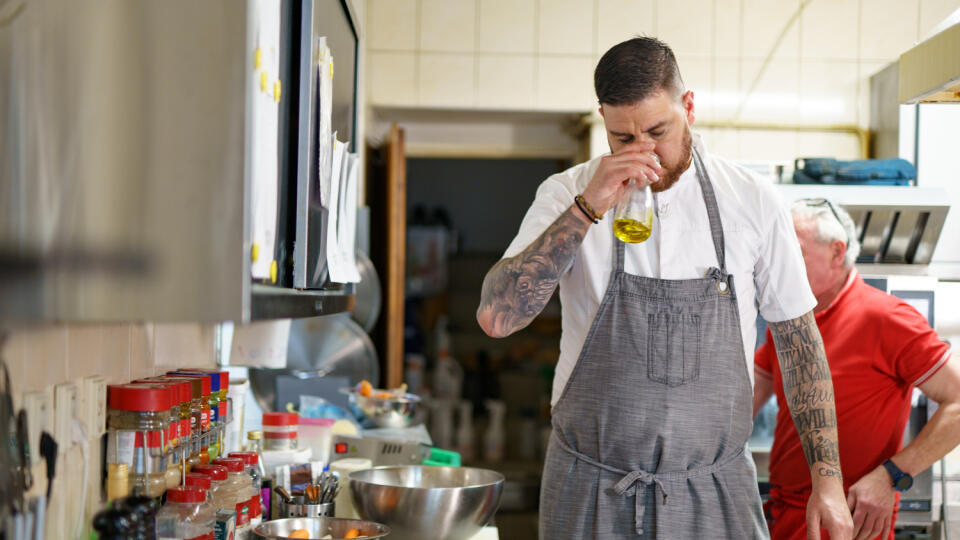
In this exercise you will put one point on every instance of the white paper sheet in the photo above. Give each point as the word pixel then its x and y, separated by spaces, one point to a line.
pixel 335 262
pixel 325 135
pixel 264 159
pixel 347 222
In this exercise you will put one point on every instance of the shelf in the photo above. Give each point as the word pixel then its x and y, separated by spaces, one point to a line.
pixel 276 303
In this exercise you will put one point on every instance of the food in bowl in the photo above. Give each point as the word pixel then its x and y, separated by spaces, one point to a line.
pixel 385 408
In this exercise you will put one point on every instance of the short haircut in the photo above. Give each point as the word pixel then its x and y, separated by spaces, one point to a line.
pixel 829 227
pixel 636 69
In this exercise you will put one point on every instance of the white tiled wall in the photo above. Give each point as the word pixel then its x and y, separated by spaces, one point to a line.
pixel 39 358
pixel 540 55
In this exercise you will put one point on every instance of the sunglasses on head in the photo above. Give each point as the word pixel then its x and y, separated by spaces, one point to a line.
pixel 820 201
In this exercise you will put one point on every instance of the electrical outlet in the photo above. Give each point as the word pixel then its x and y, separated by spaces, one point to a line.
pixel 38 408
pixel 95 405
pixel 64 405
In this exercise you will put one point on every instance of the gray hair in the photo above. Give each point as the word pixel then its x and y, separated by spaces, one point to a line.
pixel 828 228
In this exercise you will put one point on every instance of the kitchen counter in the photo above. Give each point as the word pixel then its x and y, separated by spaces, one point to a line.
pixel 487 533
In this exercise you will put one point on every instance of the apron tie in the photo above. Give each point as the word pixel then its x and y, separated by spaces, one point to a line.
pixel 627 486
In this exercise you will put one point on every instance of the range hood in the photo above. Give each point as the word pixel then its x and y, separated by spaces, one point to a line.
pixel 930 71
pixel 895 224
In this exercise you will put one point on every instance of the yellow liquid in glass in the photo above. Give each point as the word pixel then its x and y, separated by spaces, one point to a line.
pixel 633 231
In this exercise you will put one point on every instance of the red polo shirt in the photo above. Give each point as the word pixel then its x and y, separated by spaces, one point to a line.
pixel 879 348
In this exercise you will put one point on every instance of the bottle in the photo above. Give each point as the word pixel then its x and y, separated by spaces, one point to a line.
pixel 493 438
pixel 447 374
pixel 441 423
pixel 465 431
pixel 633 218
pixel 220 496
pixel 186 515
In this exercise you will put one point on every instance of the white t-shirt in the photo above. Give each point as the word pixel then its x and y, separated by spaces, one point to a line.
pixel 761 250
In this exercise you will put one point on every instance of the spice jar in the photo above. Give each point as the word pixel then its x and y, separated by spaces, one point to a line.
pixel 171 471
pixel 238 483
pixel 186 515
pixel 137 422
pixel 202 443
pixel 220 497
pixel 216 422
pixel 251 461
pixel 280 430
pixel 201 481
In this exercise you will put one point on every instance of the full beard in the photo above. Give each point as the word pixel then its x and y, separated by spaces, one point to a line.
pixel 671 172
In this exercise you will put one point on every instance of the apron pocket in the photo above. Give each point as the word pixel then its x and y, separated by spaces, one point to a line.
pixel 673 348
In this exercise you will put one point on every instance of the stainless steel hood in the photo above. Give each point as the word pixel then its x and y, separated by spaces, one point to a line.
pixel 895 225
pixel 930 71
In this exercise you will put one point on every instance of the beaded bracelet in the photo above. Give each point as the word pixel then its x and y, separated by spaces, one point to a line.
pixel 587 210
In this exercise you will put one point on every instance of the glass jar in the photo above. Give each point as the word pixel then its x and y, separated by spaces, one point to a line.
pixel 238 482
pixel 186 515
pixel 251 461
pixel 200 407
pixel 172 438
pixel 138 420
pixel 216 422
pixel 220 496
pixel 280 430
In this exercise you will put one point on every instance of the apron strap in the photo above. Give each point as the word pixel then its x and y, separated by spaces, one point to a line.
pixel 713 211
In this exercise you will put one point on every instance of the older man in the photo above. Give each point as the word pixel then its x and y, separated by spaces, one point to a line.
pixel 878 348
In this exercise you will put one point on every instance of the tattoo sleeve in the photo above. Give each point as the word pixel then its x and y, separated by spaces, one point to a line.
pixel 809 392
pixel 517 288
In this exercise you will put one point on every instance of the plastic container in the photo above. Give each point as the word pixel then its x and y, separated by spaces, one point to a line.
pixel 280 430
pixel 201 481
pixel 317 434
pixel 251 461
pixel 238 484
pixel 220 496
pixel 186 515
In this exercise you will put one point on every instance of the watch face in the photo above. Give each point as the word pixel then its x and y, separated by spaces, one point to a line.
pixel 904 483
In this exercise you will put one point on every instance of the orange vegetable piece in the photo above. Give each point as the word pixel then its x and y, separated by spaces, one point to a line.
pixel 383 395
pixel 299 533
pixel 366 388
pixel 352 533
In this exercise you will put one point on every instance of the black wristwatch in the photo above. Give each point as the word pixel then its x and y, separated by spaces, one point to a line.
pixel 901 480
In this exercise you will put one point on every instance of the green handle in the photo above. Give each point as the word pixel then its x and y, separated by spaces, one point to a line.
pixel 442 458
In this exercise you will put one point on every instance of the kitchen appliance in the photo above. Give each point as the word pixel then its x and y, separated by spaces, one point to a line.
pixel 391 452
pixel 416 502
pixel 895 224
pixel 332 347
pixel 318 527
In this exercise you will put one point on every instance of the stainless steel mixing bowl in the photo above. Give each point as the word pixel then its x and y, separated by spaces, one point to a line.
pixel 419 502
pixel 384 412
pixel 318 527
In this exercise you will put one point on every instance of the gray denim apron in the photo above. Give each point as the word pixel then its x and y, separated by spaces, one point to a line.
pixel 650 432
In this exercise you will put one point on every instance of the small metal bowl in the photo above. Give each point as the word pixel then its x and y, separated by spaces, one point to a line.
pixel 384 412
pixel 319 527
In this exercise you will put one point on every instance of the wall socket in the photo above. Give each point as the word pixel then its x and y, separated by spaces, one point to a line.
pixel 94 405
pixel 39 408
pixel 64 405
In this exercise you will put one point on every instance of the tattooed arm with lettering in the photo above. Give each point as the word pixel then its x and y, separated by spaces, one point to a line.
pixel 517 288
pixel 809 391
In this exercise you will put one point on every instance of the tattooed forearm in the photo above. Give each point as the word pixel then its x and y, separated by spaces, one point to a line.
pixel 516 289
pixel 809 391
